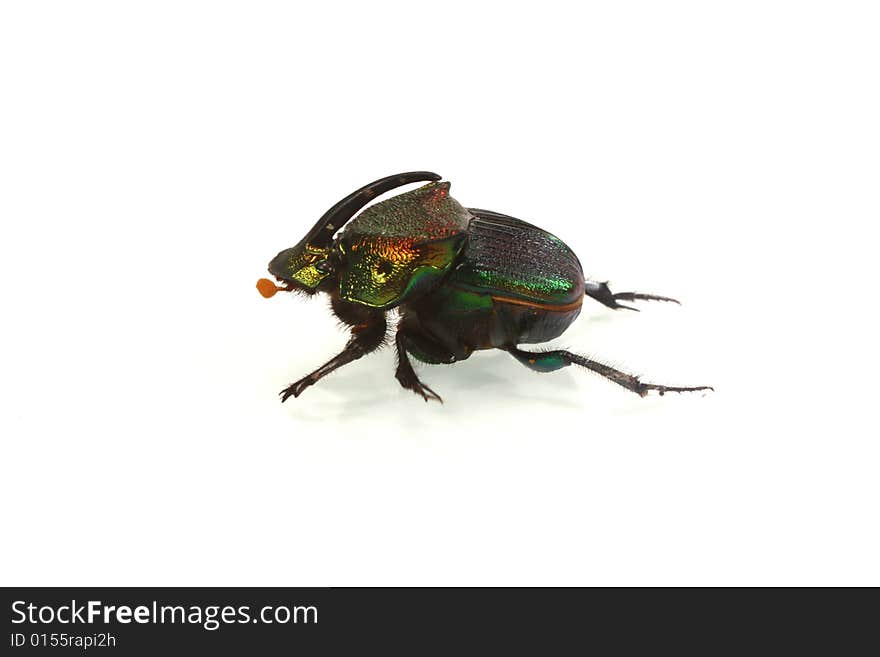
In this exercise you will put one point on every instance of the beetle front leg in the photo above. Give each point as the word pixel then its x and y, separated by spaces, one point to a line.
pixel 368 333
pixel 549 361
pixel 603 294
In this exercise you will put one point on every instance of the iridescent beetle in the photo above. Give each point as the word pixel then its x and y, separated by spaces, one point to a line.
pixel 461 278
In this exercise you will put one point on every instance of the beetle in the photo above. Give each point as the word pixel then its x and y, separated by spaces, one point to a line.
pixel 462 280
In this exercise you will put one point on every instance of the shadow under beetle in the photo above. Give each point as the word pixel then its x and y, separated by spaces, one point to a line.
pixel 461 278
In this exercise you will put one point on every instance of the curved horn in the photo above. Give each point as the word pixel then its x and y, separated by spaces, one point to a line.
pixel 337 216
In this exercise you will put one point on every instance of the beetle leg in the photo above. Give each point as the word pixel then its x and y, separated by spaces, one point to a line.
pixel 405 373
pixel 367 335
pixel 601 293
pixel 548 361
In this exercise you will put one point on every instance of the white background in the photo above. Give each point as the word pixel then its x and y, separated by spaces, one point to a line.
pixel 155 156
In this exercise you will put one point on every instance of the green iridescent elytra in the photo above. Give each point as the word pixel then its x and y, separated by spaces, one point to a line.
pixel 461 279
pixel 510 258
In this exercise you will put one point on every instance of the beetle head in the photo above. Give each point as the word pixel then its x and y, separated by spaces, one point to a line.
pixel 305 266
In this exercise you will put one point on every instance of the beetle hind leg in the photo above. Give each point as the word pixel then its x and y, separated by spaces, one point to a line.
pixel 603 294
pixel 549 361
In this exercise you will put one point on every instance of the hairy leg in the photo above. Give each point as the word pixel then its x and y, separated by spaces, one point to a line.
pixel 549 361
pixel 368 333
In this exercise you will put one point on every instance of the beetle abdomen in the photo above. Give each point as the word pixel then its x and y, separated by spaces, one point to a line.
pixel 518 262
